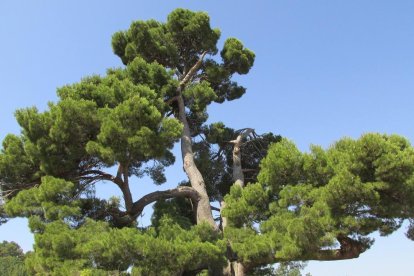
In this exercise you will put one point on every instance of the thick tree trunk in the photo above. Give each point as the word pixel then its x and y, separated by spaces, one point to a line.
pixel 203 209
pixel 239 269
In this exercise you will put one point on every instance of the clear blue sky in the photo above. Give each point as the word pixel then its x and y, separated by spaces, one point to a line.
pixel 323 70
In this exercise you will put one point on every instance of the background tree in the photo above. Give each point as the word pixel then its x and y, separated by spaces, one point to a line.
pixel 12 259
pixel 317 206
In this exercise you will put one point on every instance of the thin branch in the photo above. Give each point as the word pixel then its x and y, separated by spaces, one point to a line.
pixel 215 209
pixel 104 176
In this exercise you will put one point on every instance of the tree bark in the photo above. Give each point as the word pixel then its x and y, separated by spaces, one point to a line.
pixel 134 209
pixel 203 209
pixel 238 176
pixel 236 268
pixel 140 204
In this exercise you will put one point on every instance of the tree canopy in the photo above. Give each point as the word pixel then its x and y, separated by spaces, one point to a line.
pixel 12 259
pixel 277 204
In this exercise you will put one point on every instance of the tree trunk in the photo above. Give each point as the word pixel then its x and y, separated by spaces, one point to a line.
pixel 238 176
pixel 236 268
pixel 203 209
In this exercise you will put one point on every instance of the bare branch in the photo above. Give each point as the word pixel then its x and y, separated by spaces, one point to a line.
pixel 184 191
pixel 193 70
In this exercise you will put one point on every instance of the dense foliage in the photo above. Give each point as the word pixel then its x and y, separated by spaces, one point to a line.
pixel 12 259
pixel 277 204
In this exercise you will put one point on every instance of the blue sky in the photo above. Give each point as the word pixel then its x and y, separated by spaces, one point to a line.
pixel 323 70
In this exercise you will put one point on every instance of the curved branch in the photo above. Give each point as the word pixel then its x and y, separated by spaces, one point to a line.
pixel 121 180
pixel 140 204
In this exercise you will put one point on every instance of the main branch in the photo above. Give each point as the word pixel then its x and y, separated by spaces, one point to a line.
pixel 140 204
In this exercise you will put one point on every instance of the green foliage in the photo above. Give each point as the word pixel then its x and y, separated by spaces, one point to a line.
pixel 12 266
pixel 179 210
pixel 284 269
pixel 199 95
pixel 16 166
pixel 177 45
pixel 51 200
pixel 294 204
pixel 305 201
pixel 60 249
pixel 12 259
pixel 10 249
pixel 236 57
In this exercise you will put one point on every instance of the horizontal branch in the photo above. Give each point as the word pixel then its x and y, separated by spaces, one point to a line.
pixel 11 192
pixel 349 249
pixel 183 191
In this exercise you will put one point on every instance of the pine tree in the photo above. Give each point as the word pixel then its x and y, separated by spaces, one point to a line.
pixel 277 203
